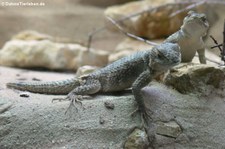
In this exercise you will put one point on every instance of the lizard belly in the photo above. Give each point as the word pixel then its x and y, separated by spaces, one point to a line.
pixel 188 50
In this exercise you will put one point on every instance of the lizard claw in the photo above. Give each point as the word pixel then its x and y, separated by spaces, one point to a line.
pixel 60 99
pixel 143 116
pixel 75 99
pixel 132 114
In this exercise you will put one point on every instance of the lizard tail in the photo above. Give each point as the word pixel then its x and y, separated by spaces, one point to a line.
pixel 53 87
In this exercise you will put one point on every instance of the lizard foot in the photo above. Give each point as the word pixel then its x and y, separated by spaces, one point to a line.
pixel 68 98
pixel 144 120
pixel 75 99
pixel 144 116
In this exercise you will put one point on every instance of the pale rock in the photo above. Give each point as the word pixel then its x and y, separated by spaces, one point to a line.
pixel 50 55
pixel 31 35
pixel 138 139
pixel 118 55
pixel 129 46
pixel 134 45
pixel 170 129
pixel 34 35
pixel 93 57
pixel 192 78
pixel 84 70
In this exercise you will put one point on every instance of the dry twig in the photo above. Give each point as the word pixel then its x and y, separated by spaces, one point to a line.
pixel 129 34
pixel 222 50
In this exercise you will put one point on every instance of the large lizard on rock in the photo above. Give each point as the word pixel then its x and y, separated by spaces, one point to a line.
pixel 134 71
pixel 189 37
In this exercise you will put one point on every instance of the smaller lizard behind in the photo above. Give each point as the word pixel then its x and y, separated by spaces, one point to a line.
pixel 189 37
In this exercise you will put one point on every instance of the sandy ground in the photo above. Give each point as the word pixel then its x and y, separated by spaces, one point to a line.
pixel 37 122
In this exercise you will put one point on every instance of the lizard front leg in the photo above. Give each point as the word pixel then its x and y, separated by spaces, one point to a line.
pixel 87 88
pixel 143 80
pixel 201 55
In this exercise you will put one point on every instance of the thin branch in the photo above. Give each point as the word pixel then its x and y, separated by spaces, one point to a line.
pixel 213 61
pixel 217 44
pixel 189 7
pixel 91 34
pixel 129 34
pixel 223 52
pixel 220 45
pixel 222 55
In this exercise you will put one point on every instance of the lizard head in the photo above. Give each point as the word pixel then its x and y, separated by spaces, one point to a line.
pixel 195 24
pixel 165 56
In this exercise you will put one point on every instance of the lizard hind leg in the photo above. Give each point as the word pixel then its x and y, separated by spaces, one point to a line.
pixel 81 92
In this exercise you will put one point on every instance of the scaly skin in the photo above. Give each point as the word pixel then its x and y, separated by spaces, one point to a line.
pixel 54 87
pixel 189 37
pixel 135 71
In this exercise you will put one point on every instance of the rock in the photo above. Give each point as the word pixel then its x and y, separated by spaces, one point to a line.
pixel 101 120
pixel 153 24
pixel 118 55
pixel 171 129
pixel 129 46
pixel 201 118
pixel 109 105
pixel 103 3
pixel 34 35
pixel 84 70
pixel 138 139
pixel 24 94
pixel 31 35
pixel 50 55
pixel 157 23
pixel 36 79
pixel 192 78
pixel 93 57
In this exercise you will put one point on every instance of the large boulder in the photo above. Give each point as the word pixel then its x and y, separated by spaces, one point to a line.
pixel 153 19
pixel 184 121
